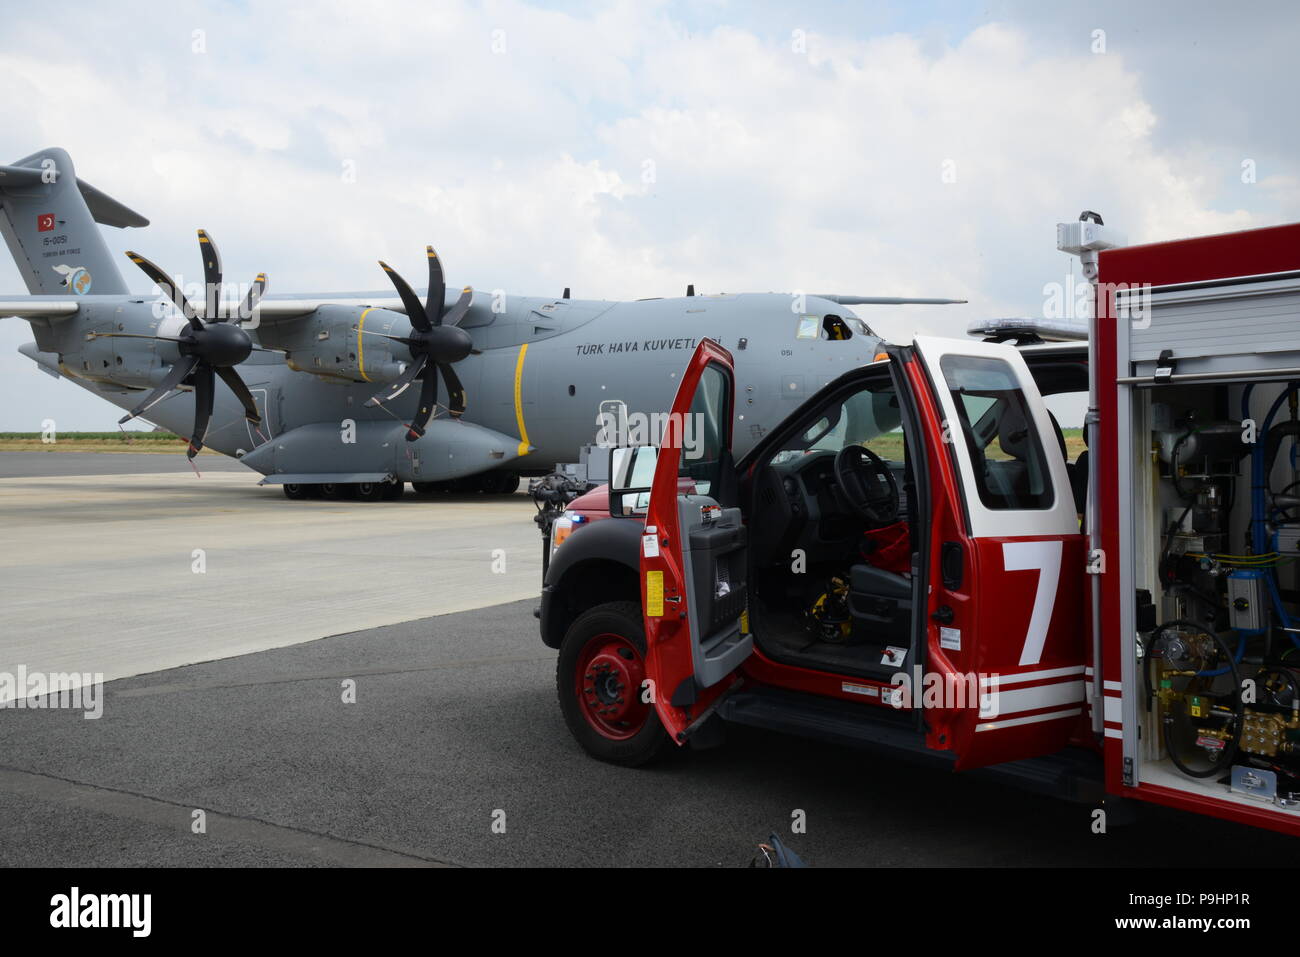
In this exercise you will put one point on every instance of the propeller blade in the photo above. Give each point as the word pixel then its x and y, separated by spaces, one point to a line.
pixel 169 288
pixel 255 292
pixel 397 388
pixel 428 395
pixel 457 312
pixel 179 371
pixel 205 387
pixel 231 378
pixel 437 298
pixel 414 311
pixel 211 276
pixel 455 391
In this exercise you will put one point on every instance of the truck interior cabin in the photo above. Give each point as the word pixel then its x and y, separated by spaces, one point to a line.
pixel 835 531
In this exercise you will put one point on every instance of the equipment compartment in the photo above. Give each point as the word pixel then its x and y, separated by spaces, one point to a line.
pixel 1207 512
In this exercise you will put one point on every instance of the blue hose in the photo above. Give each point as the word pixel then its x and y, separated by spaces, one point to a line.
pixel 1258 499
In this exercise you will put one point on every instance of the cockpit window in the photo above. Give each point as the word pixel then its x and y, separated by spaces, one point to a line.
pixel 836 328
pixel 858 326
pixel 831 327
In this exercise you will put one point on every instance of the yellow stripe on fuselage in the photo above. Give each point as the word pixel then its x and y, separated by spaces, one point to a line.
pixel 361 356
pixel 519 400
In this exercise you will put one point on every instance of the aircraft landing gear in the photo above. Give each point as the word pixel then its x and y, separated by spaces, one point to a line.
pixel 369 491
pixel 361 491
pixel 499 483
pixel 340 490
pixel 488 483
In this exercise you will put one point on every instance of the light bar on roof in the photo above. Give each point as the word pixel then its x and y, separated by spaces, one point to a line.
pixel 1049 330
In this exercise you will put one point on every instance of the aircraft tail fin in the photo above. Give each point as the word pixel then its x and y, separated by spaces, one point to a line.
pixel 48 217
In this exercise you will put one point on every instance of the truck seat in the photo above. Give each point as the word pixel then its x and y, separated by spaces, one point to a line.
pixel 881 601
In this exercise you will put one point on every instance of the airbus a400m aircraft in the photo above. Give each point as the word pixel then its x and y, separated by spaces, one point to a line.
pixel 360 392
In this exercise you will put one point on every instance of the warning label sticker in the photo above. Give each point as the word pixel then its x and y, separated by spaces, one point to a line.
pixel 654 594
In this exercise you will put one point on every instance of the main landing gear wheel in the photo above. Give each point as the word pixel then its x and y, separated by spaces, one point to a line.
pixel 393 491
pixel 369 491
pixel 488 483
pixel 430 488
pixel 499 483
pixel 297 492
pixel 599 676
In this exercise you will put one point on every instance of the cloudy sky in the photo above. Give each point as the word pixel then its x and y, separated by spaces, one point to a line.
pixel 627 149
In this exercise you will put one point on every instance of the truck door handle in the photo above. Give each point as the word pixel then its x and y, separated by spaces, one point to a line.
pixel 943 615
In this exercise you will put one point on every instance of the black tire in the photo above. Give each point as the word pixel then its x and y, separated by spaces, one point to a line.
pixel 393 491
pixel 501 483
pixel 646 738
pixel 430 488
pixel 368 491
pixel 296 492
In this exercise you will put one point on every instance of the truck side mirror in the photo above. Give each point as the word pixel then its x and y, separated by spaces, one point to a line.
pixel 631 473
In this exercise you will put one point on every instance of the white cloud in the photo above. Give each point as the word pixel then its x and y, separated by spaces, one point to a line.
pixel 772 169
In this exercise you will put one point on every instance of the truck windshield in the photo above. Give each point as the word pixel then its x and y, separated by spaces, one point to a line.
pixel 869 417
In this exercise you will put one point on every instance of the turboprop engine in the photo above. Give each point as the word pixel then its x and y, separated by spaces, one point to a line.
pixel 114 344
pixel 349 343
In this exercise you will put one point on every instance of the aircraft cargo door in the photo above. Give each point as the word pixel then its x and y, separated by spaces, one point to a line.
pixel 1006 610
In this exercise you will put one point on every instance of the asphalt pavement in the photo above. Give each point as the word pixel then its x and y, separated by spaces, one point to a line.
pixel 34 464
pixel 454 752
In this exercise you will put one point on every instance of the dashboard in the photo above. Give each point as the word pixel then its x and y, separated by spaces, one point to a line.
pixel 800 506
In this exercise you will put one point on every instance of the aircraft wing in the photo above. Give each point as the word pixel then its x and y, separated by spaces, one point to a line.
pixel 270 310
pixel 38 307
pixel 281 310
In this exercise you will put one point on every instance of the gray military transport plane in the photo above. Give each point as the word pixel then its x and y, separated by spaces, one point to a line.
pixel 357 393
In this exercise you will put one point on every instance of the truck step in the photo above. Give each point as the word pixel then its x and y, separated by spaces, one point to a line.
pixel 1073 774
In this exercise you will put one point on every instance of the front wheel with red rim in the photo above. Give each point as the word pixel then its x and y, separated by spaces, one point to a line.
pixel 599 678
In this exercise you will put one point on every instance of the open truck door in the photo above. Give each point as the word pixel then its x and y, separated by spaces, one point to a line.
pixel 693 551
pixel 1006 605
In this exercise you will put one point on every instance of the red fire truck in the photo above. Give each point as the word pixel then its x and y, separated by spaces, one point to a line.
pixel 916 561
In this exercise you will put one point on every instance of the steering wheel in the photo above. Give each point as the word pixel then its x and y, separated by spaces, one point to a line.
pixel 867 484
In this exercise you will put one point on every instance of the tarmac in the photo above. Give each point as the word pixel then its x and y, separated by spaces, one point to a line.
pixel 424 731
pixel 453 752
pixel 119 564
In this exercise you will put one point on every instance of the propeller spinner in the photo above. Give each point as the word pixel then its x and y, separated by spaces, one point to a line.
pixel 436 341
pixel 210 346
